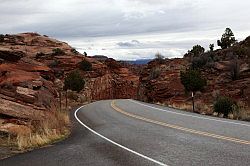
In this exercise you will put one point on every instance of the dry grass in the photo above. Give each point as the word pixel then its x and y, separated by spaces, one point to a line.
pixel 242 112
pixel 181 106
pixel 45 131
pixel 158 103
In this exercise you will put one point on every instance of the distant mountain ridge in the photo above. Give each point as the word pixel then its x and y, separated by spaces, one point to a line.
pixel 139 61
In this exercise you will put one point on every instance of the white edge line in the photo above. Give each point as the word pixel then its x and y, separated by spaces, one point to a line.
pixel 163 110
pixel 115 143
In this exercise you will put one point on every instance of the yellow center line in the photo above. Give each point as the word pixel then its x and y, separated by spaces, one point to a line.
pixel 179 127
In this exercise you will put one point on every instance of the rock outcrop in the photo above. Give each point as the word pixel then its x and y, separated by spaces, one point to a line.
pixel 110 80
pixel 10 55
pixel 32 72
pixel 227 72
pixel 160 81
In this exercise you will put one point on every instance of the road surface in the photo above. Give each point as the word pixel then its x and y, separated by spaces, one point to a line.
pixel 128 132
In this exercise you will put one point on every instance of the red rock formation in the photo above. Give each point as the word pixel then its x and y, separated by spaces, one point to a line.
pixel 31 75
pixel 24 93
pixel 110 80
pixel 160 80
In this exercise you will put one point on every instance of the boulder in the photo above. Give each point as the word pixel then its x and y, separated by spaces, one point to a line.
pixel 26 94
pixel 18 110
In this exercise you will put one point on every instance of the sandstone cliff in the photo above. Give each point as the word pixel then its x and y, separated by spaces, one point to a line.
pixel 32 72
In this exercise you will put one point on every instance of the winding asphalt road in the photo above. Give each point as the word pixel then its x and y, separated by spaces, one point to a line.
pixel 127 132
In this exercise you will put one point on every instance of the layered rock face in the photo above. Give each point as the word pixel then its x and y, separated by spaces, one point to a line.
pixel 110 80
pixel 24 93
pixel 160 81
pixel 32 72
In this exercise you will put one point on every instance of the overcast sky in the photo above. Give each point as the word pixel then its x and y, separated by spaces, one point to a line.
pixel 128 29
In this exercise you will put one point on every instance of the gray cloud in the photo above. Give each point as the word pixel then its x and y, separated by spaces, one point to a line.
pixel 133 43
pixel 186 21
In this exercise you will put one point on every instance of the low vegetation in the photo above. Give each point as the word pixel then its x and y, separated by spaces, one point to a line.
pixel 59 73
pixel 37 133
pixel 47 131
pixel 85 65
pixel 54 64
pixel 197 50
pixel 72 95
pixel 57 51
pixel 1 38
pixel 241 51
pixel 40 55
pixel 205 60
pixel 74 51
pixel 199 62
pixel 224 105
pixel 74 81
pixel 155 73
pixel 235 69
pixel 192 80
pixel 242 112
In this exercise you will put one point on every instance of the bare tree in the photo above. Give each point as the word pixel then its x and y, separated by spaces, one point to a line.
pixel 159 56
